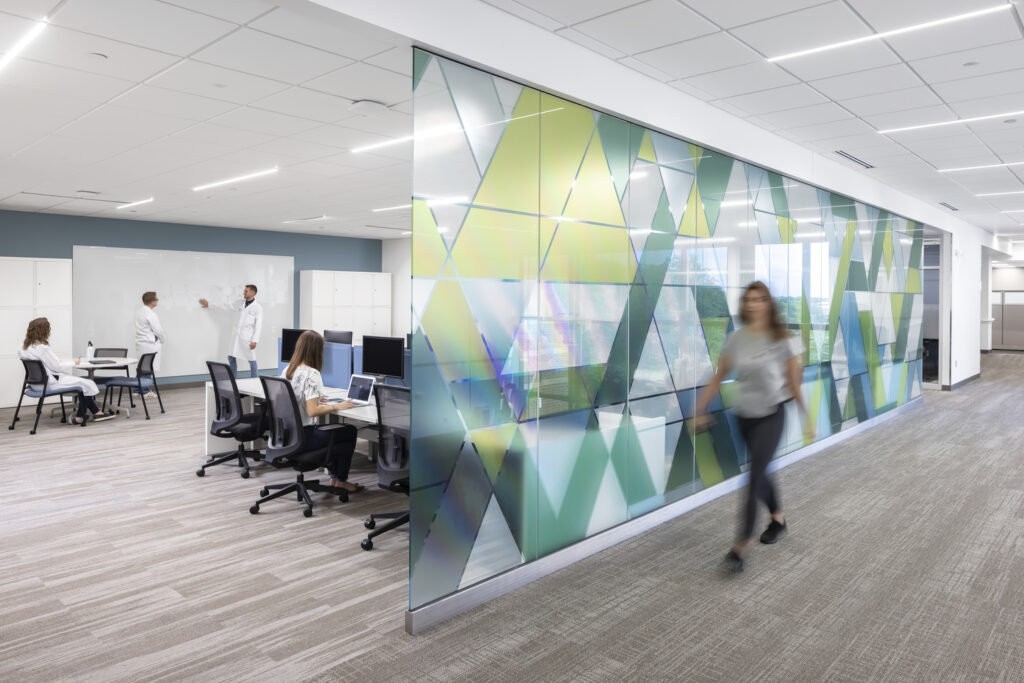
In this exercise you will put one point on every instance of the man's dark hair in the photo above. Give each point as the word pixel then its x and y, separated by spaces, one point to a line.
pixel 253 288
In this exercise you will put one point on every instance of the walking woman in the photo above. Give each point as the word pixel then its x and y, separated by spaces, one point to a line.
pixel 304 374
pixel 766 361
pixel 37 347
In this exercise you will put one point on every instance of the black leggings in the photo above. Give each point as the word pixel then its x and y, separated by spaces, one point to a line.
pixel 762 435
pixel 86 403
pixel 339 460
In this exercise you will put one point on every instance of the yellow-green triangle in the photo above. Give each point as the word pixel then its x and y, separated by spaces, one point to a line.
pixel 512 178
pixel 694 223
pixel 428 249
pixel 492 444
pixel 593 197
pixel 647 149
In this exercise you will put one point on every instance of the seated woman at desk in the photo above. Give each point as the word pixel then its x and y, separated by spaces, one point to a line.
pixel 37 347
pixel 304 374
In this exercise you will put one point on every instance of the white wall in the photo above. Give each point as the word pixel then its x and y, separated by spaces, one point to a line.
pixel 1007 279
pixel 396 258
pixel 479 34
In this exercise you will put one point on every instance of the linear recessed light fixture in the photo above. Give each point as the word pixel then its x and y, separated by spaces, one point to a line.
pixel 321 217
pixel 948 206
pixel 894 32
pixel 850 157
pixel 979 168
pixel 392 208
pixel 23 42
pixel 999 194
pixel 954 122
pixel 138 203
pixel 237 179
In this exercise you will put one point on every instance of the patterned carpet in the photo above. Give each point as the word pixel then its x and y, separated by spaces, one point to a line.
pixel 903 563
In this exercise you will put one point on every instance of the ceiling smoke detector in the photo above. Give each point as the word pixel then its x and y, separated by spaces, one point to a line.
pixel 367 107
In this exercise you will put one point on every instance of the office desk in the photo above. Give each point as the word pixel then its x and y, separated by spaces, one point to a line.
pixel 251 390
pixel 90 368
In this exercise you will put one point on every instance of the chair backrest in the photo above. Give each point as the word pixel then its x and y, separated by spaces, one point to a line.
pixel 393 422
pixel 145 366
pixel 35 372
pixel 338 336
pixel 110 353
pixel 286 435
pixel 226 397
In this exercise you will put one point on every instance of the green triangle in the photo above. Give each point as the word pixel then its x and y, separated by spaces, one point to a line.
pixel 420 61
pixel 714 334
pixel 615 140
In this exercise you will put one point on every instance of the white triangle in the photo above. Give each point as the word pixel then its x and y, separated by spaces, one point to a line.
pixel 650 432
pixel 494 550
pixel 609 419
pixel 678 186
pixel 610 506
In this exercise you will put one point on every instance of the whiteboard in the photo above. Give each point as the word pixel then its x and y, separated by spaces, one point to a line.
pixel 108 287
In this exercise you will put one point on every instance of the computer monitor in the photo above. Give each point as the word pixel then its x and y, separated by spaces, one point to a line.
pixel 288 341
pixel 337 336
pixel 384 356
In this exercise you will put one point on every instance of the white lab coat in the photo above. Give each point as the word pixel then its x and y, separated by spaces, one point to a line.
pixel 64 378
pixel 247 329
pixel 149 335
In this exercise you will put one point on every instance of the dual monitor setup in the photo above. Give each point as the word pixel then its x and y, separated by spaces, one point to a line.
pixel 382 356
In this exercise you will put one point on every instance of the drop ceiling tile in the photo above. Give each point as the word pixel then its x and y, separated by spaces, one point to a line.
pixel 32 114
pixel 985 180
pixel 28 74
pixel 29 9
pixel 573 11
pixel 589 43
pixel 523 12
pixel 12 28
pixel 183 105
pixel 646 69
pixel 909 98
pixel 910 117
pixel 270 57
pixel 806 116
pixel 833 129
pixel 978 87
pixel 79 207
pixel 846 60
pixel 215 82
pixel 68 48
pixel 786 97
pixel 236 11
pixel 389 123
pixel 123 126
pixel 146 23
pixel 262 121
pixel 643 27
pixel 397 59
pixel 803 29
pixel 868 82
pixel 955 158
pixel 885 15
pixel 700 55
pixel 978 32
pixel 960 140
pixel 739 80
pixel 732 14
pixel 365 82
pixel 987 106
pixel 320 28
pixel 856 141
pixel 308 104
pixel 30 202
pixel 989 59
pixel 685 87
pixel 220 136
pixel 340 137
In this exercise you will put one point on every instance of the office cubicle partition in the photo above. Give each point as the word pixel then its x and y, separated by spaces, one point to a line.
pixel 574 278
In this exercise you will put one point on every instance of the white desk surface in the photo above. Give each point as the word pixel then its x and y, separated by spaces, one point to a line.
pixel 117 364
pixel 250 386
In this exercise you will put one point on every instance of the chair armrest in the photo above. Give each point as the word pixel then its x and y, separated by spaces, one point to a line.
pixel 330 427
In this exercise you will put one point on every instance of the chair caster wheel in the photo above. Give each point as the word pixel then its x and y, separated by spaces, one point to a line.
pixel 307 513
pixel 200 473
pixel 343 498
pixel 245 474
pixel 370 523
pixel 32 432
pixel 11 428
pixel 366 544
pixel 254 509
pixel 264 492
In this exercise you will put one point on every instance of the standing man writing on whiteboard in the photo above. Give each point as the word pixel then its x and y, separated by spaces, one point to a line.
pixel 247 330
pixel 149 335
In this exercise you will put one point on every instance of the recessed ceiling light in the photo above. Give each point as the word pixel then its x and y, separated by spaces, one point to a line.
pixel 23 42
pixel 999 194
pixel 138 203
pixel 392 208
pixel 894 32
pixel 238 179
pixel 950 123
pixel 978 168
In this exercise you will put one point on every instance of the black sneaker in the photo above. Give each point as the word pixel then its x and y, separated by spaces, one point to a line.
pixel 733 562
pixel 773 533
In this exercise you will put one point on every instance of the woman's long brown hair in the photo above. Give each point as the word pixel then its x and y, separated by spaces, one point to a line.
pixel 309 350
pixel 778 330
pixel 38 332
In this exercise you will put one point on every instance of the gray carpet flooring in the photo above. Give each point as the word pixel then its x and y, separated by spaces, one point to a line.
pixel 904 562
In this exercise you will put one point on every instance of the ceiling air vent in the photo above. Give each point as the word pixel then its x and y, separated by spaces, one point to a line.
pixel 850 157
pixel 948 206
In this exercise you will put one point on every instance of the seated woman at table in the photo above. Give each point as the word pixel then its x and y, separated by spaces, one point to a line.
pixel 37 347
pixel 304 374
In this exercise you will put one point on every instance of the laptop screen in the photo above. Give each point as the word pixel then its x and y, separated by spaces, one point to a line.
pixel 359 388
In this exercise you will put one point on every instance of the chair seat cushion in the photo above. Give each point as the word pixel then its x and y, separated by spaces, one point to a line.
pixel 300 462
pixel 147 383
pixel 36 393
pixel 247 428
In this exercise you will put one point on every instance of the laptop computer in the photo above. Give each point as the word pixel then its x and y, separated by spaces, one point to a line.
pixel 360 389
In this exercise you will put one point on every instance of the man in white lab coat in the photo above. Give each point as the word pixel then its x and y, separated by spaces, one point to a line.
pixel 247 329
pixel 149 335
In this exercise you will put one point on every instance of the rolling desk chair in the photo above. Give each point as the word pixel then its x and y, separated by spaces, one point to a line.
pixel 392 457
pixel 230 422
pixel 144 380
pixel 36 375
pixel 287 447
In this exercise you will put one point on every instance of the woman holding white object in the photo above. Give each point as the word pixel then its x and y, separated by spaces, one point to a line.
pixel 37 347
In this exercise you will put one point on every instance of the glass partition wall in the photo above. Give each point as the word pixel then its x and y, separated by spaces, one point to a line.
pixel 574 278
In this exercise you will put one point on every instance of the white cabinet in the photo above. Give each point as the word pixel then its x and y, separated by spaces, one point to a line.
pixel 31 288
pixel 345 300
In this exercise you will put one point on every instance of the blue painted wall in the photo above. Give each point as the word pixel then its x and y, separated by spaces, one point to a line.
pixel 42 235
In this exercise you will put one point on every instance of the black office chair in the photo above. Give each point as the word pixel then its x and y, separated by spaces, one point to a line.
pixel 287 447
pixel 392 456
pixel 231 422
pixel 37 376
pixel 338 336
pixel 144 380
